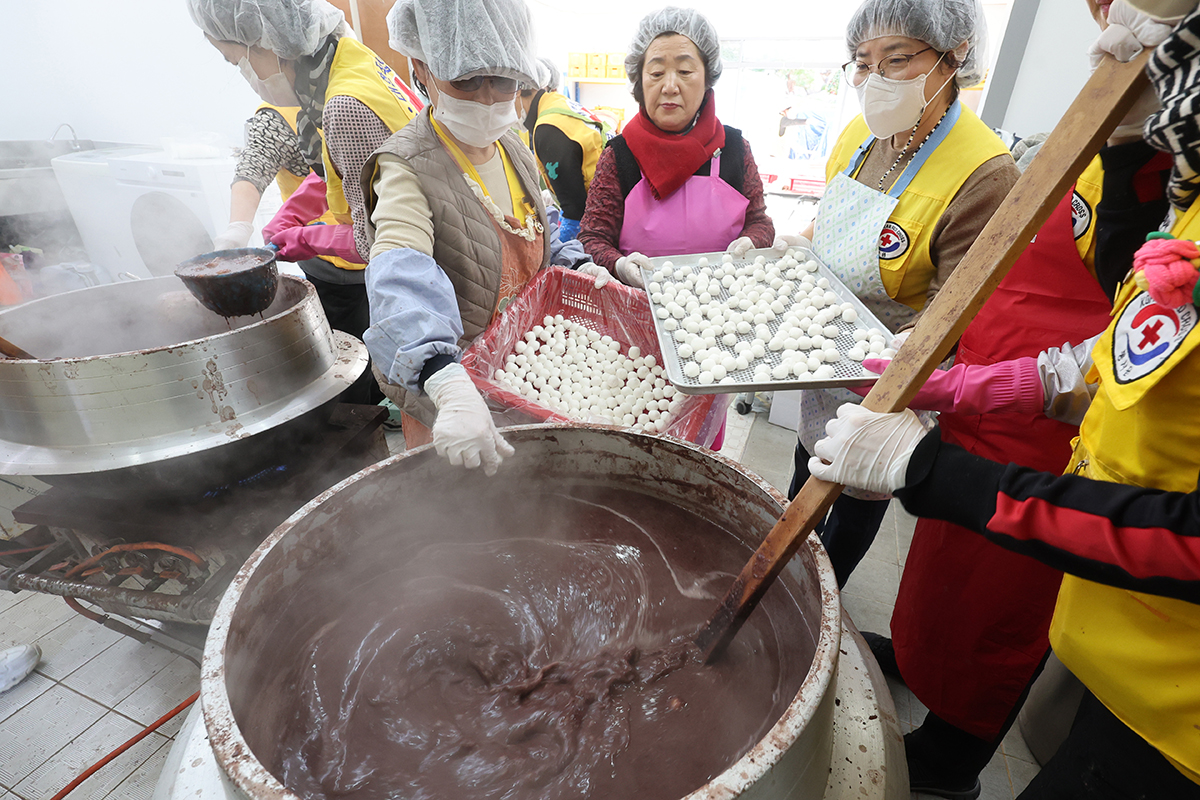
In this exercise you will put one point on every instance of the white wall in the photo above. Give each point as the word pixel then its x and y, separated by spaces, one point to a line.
pixel 139 70
pixel 566 25
pixel 127 71
pixel 1054 67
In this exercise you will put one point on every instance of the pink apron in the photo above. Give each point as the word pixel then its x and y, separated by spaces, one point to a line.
pixel 702 216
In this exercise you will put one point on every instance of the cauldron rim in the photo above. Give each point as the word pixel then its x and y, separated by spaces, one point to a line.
pixel 814 700
pixel 349 360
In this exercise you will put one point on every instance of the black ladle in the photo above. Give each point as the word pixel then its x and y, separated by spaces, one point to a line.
pixel 232 283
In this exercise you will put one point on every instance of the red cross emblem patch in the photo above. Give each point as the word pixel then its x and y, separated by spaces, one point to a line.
pixel 1146 334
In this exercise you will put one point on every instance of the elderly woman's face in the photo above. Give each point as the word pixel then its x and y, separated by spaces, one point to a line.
pixel 264 62
pixel 672 81
pixel 924 60
pixel 486 90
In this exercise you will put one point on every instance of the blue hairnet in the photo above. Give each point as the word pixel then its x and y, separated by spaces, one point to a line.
pixel 944 25
pixel 685 21
pixel 463 38
pixel 288 28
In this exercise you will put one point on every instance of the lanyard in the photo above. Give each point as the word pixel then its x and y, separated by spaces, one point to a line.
pixel 522 208
pixel 913 167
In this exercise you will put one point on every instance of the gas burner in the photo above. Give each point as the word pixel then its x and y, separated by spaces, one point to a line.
pixel 169 558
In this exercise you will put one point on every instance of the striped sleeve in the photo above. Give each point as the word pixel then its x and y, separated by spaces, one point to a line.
pixel 1145 540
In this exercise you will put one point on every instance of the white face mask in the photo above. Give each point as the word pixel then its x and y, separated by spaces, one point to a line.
pixel 474 123
pixel 890 107
pixel 276 90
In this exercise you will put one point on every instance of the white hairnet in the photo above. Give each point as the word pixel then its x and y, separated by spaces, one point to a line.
pixel 685 21
pixel 288 28
pixel 551 78
pixel 944 25
pixel 463 38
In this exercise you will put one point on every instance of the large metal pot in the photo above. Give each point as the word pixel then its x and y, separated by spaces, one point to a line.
pixel 136 378
pixel 241 677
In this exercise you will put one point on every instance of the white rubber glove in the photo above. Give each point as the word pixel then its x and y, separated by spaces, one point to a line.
pixel 899 339
pixel 235 236
pixel 740 246
pixel 1127 34
pixel 629 269
pixel 463 431
pixel 784 241
pixel 867 449
pixel 601 275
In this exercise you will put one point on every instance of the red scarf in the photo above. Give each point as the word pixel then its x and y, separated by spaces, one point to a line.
pixel 669 159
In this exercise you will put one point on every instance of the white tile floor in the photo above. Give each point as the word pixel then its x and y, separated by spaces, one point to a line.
pixel 96 688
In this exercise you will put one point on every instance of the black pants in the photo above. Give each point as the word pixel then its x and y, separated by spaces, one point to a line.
pixel 850 528
pixel 956 757
pixel 346 308
pixel 1103 759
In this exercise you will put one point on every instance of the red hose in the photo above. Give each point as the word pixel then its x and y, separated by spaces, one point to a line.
pixel 70 787
pixel 79 609
pixel 26 550
pixel 120 548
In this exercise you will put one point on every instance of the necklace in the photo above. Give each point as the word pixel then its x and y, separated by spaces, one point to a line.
pixel 900 157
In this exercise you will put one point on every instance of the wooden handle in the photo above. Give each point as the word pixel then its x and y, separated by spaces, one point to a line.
pixel 10 350
pixel 1104 100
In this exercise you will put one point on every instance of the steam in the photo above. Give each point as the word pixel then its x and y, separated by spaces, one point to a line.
pixel 448 595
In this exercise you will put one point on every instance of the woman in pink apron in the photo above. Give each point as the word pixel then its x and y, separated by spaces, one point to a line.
pixel 676 180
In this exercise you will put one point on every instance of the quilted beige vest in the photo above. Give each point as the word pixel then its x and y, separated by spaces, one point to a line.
pixel 466 245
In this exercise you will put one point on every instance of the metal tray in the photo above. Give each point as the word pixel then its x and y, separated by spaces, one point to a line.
pixel 847 372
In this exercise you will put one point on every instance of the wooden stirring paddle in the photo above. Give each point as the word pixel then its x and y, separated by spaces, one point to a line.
pixel 10 350
pixel 1104 100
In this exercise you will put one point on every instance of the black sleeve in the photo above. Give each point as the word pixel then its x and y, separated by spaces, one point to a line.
pixel 431 366
pixel 629 172
pixel 1133 202
pixel 563 159
pixel 1130 537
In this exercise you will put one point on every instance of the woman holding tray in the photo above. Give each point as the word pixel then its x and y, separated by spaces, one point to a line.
pixel 911 183
pixel 457 226
pixel 676 180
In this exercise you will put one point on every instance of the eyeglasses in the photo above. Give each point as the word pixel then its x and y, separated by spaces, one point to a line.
pixel 499 85
pixel 891 67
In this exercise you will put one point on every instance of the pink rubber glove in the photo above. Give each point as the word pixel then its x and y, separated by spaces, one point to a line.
pixel 1166 268
pixel 297 240
pixel 310 241
pixel 304 205
pixel 1013 387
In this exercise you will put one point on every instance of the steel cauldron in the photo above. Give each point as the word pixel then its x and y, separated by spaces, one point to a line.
pixel 241 686
pixel 140 388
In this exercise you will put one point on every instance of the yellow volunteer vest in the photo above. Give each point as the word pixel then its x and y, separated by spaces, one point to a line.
pixel 357 72
pixel 289 183
pixel 907 269
pixel 1087 193
pixel 556 111
pixel 1140 653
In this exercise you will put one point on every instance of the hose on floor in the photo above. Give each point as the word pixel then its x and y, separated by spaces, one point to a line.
pixel 92 770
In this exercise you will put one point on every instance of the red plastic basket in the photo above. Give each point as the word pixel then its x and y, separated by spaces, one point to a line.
pixel 616 310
